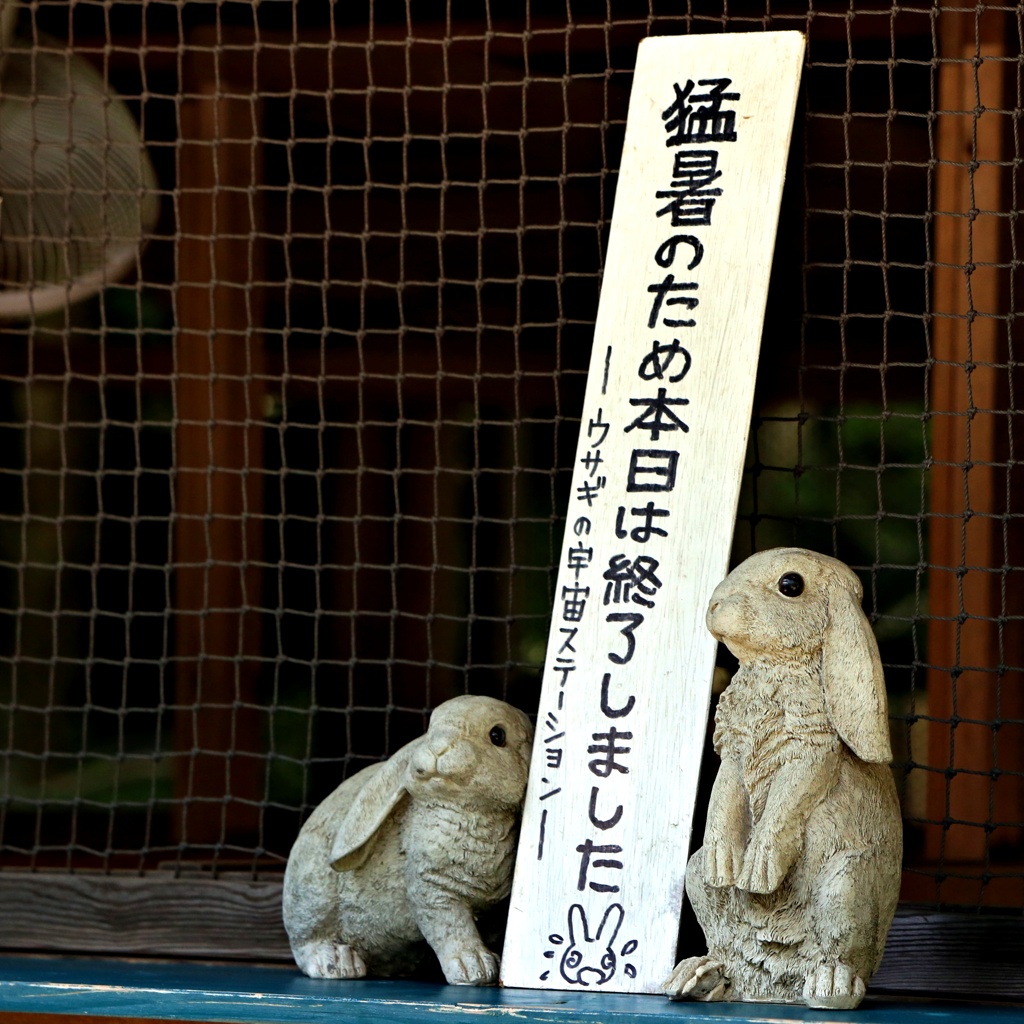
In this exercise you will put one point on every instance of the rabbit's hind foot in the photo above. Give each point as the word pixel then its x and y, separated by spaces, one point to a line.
pixel 699 977
pixel 330 960
pixel 833 986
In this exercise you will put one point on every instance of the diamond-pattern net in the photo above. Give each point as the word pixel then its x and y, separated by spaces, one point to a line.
pixel 299 475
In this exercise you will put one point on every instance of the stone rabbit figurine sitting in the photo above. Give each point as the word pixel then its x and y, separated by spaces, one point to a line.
pixel 797 881
pixel 412 849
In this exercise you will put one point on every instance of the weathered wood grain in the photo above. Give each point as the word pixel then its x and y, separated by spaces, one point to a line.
pixel 953 954
pixel 156 915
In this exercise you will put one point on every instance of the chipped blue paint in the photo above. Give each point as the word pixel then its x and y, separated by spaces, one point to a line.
pixel 281 995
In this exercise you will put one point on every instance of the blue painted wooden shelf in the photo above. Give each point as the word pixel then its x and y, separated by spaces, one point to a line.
pixel 281 995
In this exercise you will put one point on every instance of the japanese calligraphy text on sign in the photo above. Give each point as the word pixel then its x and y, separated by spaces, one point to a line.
pixel 606 827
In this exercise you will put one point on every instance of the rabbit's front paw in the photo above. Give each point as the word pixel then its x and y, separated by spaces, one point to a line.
pixel 700 977
pixel 472 967
pixel 764 865
pixel 330 960
pixel 833 987
pixel 723 861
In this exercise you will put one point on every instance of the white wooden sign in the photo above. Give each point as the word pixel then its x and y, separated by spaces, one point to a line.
pixel 624 704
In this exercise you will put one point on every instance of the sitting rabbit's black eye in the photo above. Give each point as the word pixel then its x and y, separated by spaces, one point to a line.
pixel 791 584
pixel 498 736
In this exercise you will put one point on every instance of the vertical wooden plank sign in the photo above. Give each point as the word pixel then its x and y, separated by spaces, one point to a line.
pixel 624 703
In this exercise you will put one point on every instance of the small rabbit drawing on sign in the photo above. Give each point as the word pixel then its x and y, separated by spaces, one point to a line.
pixel 797 881
pixel 591 959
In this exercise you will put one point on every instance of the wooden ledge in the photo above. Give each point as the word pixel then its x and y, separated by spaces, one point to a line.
pixel 958 955
pixel 162 990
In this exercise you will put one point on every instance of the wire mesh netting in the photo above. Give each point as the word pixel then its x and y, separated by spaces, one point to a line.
pixel 291 473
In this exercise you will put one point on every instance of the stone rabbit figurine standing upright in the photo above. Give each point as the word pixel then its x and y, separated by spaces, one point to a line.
pixel 412 849
pixel 797 881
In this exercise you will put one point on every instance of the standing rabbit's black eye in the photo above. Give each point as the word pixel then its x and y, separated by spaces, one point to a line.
pixel 791 584
pixel 498 736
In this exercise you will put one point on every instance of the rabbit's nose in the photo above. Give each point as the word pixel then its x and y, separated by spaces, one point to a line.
pixel 713 607
pixel 424 762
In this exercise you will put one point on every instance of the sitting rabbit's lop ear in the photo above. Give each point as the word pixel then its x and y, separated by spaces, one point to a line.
pixel 371 808
pixel 851 673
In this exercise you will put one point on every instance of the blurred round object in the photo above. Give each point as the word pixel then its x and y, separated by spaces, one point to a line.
pixel 78 190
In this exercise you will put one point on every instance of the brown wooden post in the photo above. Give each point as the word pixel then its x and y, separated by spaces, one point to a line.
pixel 969 438
pixel 219 390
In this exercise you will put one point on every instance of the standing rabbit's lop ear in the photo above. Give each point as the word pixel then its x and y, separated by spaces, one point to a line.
pixel 373 805
pixel 851 673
